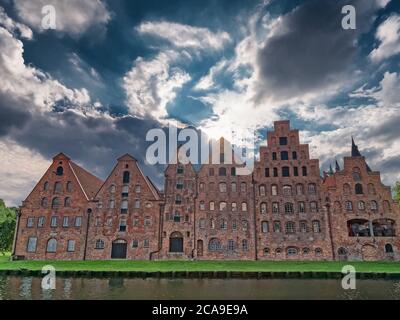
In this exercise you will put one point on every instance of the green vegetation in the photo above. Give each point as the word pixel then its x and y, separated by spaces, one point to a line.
pixel 164 266
pixel 396 191
pixel 7 227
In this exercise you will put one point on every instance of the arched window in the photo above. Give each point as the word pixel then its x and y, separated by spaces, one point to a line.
pixel 126 177
pixel 112 188
pixel 51 245
pixel 243 187
pixel 99 244
pixel 58 187
pixel 46 186
pixel 44 203
pixel 245 225
pixel 288 208
pixel 290 227
pixel 222 172
pixel 349 206
pixel 266 251
pixel 302 207
pixel 60 171
pixel 202 205
pixel 314 206
pixel 202 185
pixel 245 245
pixel 342 251
pixel 361 205
pixel 233 187
pixel 299 189
pixel 274 190
pixel 304 171
pixel 337 207
pixel 287 191
pixel 55 203
pixel 374 205
pixel 234 206
pixel 292 251
pixel 359 188
pixel 69 186
pixel 263 208
pixel 356 174
pixel 316 226
pixel 223 224
pixel 318 251
pixel 303 226
pixel 262 190
pixel 346 188
pixel 222 187
pixel 214 245
pixel 222 206
pixel 312 189
pixel 306 250
pixel 388 248
pixel 67 202
pixel 264 227
pixel 212 206
pixel 244 206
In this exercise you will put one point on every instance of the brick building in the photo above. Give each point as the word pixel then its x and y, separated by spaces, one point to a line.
pixel 283 210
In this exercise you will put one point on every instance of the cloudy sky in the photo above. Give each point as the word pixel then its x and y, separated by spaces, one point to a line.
pixel 111 70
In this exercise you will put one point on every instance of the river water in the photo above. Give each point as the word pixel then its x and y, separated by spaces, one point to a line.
pixel 18 287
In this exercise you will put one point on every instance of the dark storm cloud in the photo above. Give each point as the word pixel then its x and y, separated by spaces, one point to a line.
pixel 313 50
pixel 13 114
pixel 388 130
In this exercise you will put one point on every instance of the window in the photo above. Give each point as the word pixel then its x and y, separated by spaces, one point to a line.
pixel 124 206
pixel 264 227
pixel 233 171
pixel 51 245
pixel 346 189
pixel 316 226
pixel 46 186
pixel 97 222
pixel 222 172
pixel 57 187
pixel 211 171
pixel 222 187
pixel 284 155
pixel 306 250
pixel 274 156
pixel 29 222
pixel 388 248
pixel 234 225
pixel 179 183
pixel 275 172
pixel 318 251
pixel 44 202
pixel 245 225
pixel 296 171
pixel 359 188
pixel 289 227
pixel 111 204
pixel 65 222
pixel 275 207
pixel 266 251
pixel 125 191
pixel 243 187
pixel 288 208
pixel 137 188
pixel 287 191
pixel 53 222
pixel 266 172
pixel 125 177
pixel 349 206
pixel 99 244
pixel 313 206
pixel 234 206
pixel 277 226
pixel 122 225
pixel 223 224
pixel 202 223
pixel 263 208
pixel 212 224
pixel 136 222
pixel 67 202
pixel 302 207
pixel 78 221
pixel 285 172
pixel 146 243
pixel 55 203
pixel 374 205
pixel 303 226
pixel 244 206
pixel 69 186
pixel 233 187
pixel 212 205
pixel 283 141
pixel 304 171
pixel 222 206
pixel 292 251
pixel 147 221
pixel 135 244
pixel 262 190
pixel 299 189
pixel 60 171
pixel 32 244
pixel 112 188
pixel 202 205
pixel 231 245
pixel 274 190
pixel 177 216
pixel 214 245
pixel 41 221
pixel 311 188
pixel 71 245
pixel 294 155
pixel 361 205
pixel 178 199
pixel 179 169
pixel 245 245
pixel 356 174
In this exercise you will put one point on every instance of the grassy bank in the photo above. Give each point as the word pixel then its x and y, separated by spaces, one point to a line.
pixel 164 266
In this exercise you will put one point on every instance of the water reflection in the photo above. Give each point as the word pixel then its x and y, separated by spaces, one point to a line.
pixel 12 287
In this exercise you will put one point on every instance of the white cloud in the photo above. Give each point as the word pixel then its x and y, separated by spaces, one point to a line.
pixel 388 35
pixel 185 36
pixel 151 84
pixel 74 17
pixel 13 26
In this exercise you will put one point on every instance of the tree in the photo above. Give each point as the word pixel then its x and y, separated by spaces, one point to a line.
pixel 397 192
pixel 8 218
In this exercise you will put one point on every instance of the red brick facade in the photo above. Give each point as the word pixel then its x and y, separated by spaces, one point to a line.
pixel 284 210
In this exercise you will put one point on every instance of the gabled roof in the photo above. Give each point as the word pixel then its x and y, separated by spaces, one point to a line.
pixel 89 183
pixel 127 157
